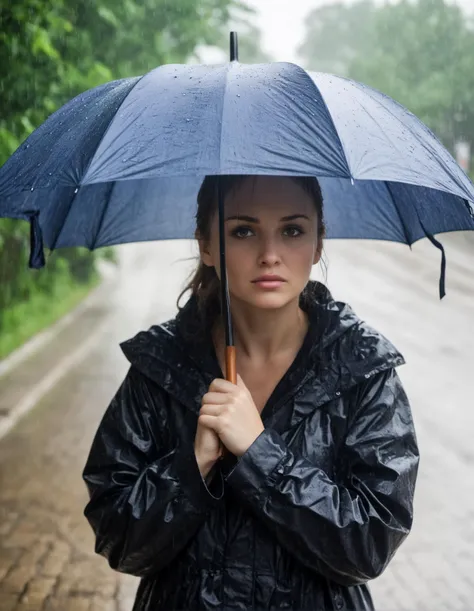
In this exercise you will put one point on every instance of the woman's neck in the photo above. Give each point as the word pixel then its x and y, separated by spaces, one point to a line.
pixel 263 335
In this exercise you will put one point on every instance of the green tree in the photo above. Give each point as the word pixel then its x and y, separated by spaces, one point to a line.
pixel 336 34
pixel 420 53
pixel 52 50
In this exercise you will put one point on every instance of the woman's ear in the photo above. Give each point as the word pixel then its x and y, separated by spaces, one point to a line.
pixel 318 253
pixel 204 252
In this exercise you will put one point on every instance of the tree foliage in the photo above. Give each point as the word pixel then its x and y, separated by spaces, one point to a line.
pixel 420 52
pixel 51 50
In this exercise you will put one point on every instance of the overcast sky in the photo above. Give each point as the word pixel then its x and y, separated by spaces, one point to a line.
pixel 282 23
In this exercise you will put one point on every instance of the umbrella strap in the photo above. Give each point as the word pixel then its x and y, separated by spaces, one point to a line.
pixel 37 260
pixel 442 278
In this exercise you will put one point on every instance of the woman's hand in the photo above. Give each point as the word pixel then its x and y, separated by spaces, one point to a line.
pixel 207 448
pixel 229 410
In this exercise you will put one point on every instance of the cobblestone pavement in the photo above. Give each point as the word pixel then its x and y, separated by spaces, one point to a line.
pixel 46 547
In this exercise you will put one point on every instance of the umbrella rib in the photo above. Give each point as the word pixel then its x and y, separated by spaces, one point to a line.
pixel 402 221
pixel 108 126
pixel 63 222
pixel 102 216
pixel 341 144
pixel 229 66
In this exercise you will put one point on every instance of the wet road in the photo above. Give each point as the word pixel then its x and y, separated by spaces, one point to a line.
pixel 46 547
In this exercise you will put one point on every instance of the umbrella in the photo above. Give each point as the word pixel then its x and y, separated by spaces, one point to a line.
pixel 123 162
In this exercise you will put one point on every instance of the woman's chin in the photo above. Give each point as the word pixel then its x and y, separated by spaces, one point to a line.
pixel 271 300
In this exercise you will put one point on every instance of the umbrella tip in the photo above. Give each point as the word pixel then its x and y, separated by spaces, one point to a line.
pixel 234 47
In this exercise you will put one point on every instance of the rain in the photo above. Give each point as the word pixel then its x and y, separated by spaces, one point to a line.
pixel 75 286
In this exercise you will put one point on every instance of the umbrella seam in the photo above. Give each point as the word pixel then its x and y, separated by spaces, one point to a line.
pixel 63 222
pixel 343 149
pixel 102 216
pixel 228 68
pixel 395 205
pixel 108 127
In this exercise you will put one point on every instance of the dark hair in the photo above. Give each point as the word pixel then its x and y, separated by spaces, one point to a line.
pixel 204 283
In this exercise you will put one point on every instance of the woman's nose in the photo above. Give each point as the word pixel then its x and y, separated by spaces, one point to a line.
pixel 268 253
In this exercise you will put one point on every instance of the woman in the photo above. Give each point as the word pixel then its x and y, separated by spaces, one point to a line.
pixel 314 492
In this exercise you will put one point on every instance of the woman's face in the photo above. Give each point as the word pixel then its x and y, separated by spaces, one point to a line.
pixel 271 241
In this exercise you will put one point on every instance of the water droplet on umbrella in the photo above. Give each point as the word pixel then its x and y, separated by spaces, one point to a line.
pixel 32 189
pixel 238 95
pixel 76 190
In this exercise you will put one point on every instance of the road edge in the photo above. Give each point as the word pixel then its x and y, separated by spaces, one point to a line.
pixel 38 340
pixel 34 396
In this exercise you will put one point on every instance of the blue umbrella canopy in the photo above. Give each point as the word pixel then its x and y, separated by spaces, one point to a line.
pixel 123 162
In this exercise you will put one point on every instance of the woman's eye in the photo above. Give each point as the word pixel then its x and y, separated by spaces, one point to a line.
pixel 293 231
pixel 242 232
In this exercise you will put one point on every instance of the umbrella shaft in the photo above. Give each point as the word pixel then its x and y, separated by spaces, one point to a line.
pixel 225 300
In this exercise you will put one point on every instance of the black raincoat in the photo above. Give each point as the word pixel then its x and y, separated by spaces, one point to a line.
pixel 316 507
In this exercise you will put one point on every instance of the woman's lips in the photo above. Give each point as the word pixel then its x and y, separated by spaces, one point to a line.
pixel 269 282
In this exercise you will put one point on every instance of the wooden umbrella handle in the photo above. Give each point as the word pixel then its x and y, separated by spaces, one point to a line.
pixel 230 365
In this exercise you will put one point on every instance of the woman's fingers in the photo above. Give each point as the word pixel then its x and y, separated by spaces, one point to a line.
pixel 222 386
pixel 208 409
pixel 215 398
pixel 212 422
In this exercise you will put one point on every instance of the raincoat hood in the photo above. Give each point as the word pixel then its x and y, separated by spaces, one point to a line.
pixel 345 352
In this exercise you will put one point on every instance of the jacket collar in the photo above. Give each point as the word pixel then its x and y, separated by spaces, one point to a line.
pixel 346 351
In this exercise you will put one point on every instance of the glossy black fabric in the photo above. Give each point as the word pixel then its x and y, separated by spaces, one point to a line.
pixel 316 507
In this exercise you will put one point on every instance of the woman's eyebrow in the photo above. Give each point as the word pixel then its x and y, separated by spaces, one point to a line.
pixel 292 217
pixel 252 219
pixel 242 217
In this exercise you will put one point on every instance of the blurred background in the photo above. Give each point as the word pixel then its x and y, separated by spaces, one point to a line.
pixel 60 327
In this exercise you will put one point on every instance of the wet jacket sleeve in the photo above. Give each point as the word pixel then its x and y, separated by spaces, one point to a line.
pixel 147 498
pixel 349 527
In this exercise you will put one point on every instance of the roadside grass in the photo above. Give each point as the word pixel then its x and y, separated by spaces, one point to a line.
pixel 24 320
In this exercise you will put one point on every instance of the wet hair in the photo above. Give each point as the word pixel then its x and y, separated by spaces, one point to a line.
pixel 204 283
